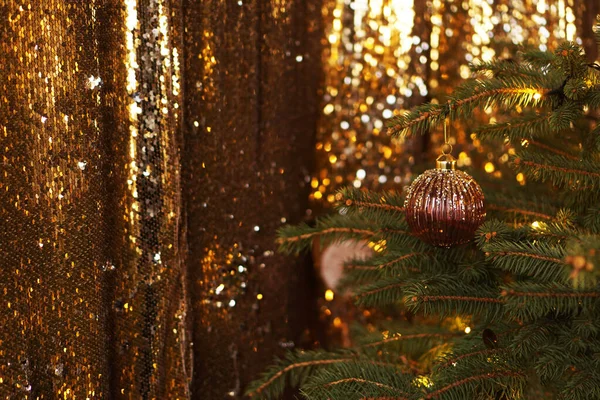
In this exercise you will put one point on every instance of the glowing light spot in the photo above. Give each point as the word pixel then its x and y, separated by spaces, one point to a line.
pixel 489 167
pixel 94 82
pixel 468 330
pixel 329 295
pixel 259 296
pixel 423 381
pixel 219 289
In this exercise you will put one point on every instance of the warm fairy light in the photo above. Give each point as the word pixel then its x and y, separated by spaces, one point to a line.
pixel 423 380
pixel 259 296
pixel 537 96
pixel 521 178
pixel 538 225
pixel 337 322
pixel 489 167
pixel 378 246
pixel 329 295
pixel 468 330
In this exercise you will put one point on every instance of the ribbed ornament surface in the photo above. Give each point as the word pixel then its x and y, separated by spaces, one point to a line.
pixel 444 207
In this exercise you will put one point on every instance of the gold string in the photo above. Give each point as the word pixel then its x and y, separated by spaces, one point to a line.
pixel 445 133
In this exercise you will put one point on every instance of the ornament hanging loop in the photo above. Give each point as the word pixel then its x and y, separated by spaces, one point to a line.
pixel 445 161
pixel 446 147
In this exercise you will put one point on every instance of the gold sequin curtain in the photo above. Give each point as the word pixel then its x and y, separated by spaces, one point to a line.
pixel 136 226
pixel 92 276
pixel 252 76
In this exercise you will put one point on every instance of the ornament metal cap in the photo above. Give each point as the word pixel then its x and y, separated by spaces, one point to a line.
pixel 445 161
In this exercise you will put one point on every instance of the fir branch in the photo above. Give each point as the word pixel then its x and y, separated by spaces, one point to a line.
pixel 398 338
pixel 365 381
pixel 445 295
pixel 490 375
pixel 337 227
pixel 508 93
pixel 563 172
pixel 379 293
pixel 364 204
pixel 383 398
pixel 527 127
pixel 484 352
pixel 496 95
pixel 591 219
pixel 582 386
pixel 426 299
pixel 554 295
pixel 357 380
pixel 528 301
pixel 521 203
pixel 492 230
pixel 370 291
pixel 396 231
pixel 373 205
pixel 553 150
pixel 419 121
pixel 524 254
pixel 299 361
pixel 538 59
pixel 540 260
pixel 390 263
pixel 327 231
pixel 495 207
pixel 555 168
pixel 562 117
pixel 510 67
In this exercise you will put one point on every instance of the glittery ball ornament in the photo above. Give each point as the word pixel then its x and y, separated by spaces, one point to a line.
pixel 444 206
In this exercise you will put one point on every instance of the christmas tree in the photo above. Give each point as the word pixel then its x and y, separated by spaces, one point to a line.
pixel 514 313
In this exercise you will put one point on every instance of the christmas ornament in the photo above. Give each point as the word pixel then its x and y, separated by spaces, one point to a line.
pixel 444 206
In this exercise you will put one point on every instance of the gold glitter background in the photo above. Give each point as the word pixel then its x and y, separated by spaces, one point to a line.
pixel 151 148
pixel 92 275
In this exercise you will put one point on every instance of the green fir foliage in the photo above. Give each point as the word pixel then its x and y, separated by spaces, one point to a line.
pixel 513 315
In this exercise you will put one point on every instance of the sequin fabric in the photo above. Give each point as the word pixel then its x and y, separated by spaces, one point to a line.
pixel 93 301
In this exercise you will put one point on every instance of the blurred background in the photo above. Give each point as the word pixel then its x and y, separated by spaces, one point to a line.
pixel 152 148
